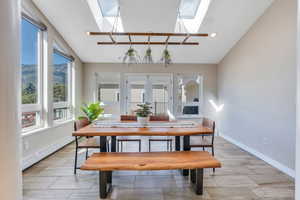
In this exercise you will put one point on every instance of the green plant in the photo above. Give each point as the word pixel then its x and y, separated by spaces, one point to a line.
pixel 131 56
pixel 148 57
pixel 144 110
pixel 166 57
pixel 92 111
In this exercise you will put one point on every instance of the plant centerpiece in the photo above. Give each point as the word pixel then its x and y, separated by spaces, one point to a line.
pixel 143 113
pixel 92 111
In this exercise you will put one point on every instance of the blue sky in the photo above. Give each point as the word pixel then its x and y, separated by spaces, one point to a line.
pixel 29 45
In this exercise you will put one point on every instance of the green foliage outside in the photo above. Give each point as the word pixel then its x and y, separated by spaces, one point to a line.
pixel 29 93
pixel 92 111
pixel 59 93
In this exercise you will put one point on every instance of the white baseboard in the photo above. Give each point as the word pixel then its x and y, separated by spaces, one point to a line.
pixel 38 156
pixel 265 158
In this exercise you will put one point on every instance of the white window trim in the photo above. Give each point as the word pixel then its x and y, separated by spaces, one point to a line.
pixel 38 107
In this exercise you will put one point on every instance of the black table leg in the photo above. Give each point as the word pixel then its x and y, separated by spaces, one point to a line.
pixel 113 143
pixel 177 143
pixel 103 144
pixel 186 147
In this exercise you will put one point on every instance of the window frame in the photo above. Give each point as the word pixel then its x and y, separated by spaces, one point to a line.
pixel 63 104
pixel 38 106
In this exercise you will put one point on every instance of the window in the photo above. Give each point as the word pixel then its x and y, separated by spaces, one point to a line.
pixel 61 86
pixel 31 75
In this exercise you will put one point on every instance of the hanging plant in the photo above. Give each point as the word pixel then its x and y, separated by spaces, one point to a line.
pixel 148 56
pixel 131 56
pixel 166 57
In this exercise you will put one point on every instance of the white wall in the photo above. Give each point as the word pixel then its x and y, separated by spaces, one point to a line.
pixel 10 82
pixel 257 85
pixel 208 71
pixel 43 142
pixel 297 182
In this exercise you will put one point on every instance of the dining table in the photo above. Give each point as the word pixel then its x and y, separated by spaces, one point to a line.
pixel 127 129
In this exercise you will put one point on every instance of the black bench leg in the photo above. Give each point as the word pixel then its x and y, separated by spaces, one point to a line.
pixel 199 182
pixel 186 147
pixel 193 176
pixel 103 184
pixel 109 177
pixel 113 143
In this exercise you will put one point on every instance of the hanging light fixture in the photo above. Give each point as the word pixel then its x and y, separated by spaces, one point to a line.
pixel 131 56
pixel 148 55
pixel 166 57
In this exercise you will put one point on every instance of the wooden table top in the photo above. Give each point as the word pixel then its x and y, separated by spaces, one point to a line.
pixel 153 131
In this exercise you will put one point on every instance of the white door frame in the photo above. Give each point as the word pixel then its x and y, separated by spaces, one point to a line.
pixel 148 86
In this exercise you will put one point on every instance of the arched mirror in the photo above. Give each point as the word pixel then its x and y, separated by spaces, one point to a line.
pixel 189 95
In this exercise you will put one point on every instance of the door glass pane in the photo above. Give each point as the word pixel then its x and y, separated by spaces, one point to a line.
pixel 109 94
pixel 137 95
pixel 30 37
pixel 154 89
pixel 160 99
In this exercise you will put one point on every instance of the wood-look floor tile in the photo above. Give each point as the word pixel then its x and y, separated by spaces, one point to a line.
pixel 242 177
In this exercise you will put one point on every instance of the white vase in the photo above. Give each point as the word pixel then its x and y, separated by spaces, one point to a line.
pixel 143 120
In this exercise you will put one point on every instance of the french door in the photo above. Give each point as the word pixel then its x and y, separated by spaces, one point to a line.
pixel 156 89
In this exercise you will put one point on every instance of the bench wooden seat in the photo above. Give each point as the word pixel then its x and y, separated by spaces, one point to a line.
pixel 150 161
pixel 105 163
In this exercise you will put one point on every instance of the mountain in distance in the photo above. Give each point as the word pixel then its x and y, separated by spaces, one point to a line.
pixel 29 74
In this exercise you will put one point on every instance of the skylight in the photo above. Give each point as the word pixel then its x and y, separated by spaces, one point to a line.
pixel 109 8
pixel 191 15
pixel 106 16
pixel 188 8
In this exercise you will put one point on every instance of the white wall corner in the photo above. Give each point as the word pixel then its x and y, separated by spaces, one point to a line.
pixel 263 157
pixel 43 153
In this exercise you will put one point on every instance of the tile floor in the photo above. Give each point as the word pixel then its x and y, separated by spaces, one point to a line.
pixel 242 177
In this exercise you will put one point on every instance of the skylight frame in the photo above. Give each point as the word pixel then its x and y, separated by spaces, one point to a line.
pixel 106 13
pixel 195 9
pixel 193 25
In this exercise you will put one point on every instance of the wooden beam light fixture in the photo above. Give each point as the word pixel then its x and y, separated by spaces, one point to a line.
pixel 185 36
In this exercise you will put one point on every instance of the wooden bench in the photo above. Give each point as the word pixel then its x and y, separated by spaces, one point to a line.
pixel 105 163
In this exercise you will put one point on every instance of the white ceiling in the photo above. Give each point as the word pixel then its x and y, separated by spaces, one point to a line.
pixel 230 19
